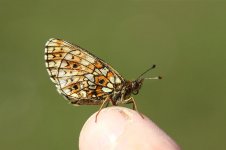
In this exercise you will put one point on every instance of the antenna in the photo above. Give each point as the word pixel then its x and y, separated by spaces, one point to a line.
pixel 152 67
pixel 155 78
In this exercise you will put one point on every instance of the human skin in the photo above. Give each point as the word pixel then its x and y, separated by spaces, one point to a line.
pixel 120 128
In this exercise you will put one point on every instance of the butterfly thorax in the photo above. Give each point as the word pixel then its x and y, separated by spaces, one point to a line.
pixel 124 91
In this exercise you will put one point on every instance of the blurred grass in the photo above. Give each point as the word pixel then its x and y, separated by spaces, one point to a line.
pixel 186 39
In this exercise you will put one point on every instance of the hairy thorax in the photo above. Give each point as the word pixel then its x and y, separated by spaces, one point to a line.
pixel 122 93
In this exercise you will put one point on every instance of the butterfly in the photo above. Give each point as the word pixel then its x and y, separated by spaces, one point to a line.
pixel 84 79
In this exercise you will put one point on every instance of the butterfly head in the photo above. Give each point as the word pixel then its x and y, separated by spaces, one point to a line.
pixel 136 85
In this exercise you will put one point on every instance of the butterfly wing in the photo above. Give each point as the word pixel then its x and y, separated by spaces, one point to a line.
pixel 79 76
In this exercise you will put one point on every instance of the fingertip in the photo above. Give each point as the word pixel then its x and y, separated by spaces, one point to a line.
pixel 123 128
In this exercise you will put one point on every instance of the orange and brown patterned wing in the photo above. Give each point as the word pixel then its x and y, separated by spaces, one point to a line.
pixel 79 76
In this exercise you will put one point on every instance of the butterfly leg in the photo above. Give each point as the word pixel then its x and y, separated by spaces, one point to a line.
pixel 101 107
pixel 107 104
pixel 131 100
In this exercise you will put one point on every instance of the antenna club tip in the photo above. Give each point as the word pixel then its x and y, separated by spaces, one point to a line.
pixel 154 65
pixel 159 77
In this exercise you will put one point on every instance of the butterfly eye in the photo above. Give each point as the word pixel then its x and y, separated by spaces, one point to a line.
pixel 135 92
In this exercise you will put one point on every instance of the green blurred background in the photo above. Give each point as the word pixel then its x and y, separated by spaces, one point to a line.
pixel 186 39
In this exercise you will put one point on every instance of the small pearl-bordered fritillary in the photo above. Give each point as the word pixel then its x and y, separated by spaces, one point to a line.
pixel 84 79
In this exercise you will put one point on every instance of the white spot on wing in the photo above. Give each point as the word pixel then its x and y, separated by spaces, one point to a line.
pixel 46 50
pixel 107 90
pixel 90 83
pixel 47 64
pixel 52 71
pixel 83 93
pixel 74 95
pixel 110 85
pixel 49 56
pixel 45 57
pixel 112 80
pixel 90 77
pixel 67 91
pixel 90 59
pixel 61 73
pixel 92 86
pixel 104 71
pixel 51 64
pixel 117 80
pixel 52 80
pixel 74 52
pixel 51 44
pixel 98 71
pixel 68 57
pixel 59 90
pixel 64 63
pixel 49 50
pixel 62 82
pixel 66 49
pixel 84 62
